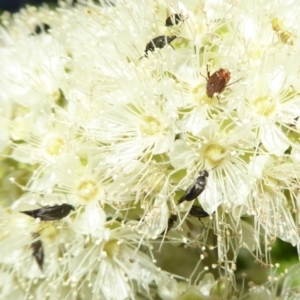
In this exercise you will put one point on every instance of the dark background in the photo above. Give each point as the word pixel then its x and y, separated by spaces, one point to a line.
pixel 15 5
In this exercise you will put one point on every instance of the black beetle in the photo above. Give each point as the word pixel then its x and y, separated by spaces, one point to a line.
pixel 196 189
pixel 173 218
pixel 40 28
pixel 50 213
pixel 159 42
pixel 198 212
pixel 173 20
pixel 38 251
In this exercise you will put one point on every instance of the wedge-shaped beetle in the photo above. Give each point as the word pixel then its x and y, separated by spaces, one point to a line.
pixel 50 213
pixel 173 218
pixel 158 42
pixel 198 212
pixel 196 189
pixel 173 20
pixel 37 250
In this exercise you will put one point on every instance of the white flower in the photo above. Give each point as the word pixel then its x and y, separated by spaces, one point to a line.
pixel 89 120
pixel 269 202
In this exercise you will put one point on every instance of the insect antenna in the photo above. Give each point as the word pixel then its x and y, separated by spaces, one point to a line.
pixel 233 82
pixel 213 168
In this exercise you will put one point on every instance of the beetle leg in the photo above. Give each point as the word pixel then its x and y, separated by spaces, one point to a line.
pixel 207 71
pixel 204 76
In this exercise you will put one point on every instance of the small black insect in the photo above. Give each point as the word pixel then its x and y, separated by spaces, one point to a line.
pixel 50 213
pixel 173 20
pixel 40 28
pixel 198 212
pixel 159 42
pixel 37 250
pixel 196 189
pixel 172 219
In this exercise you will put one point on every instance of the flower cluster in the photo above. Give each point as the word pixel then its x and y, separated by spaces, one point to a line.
pixel 114 109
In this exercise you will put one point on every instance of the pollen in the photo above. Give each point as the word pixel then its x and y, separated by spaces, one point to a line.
pixel 55 147
pixel 214 154
pixel 150 126
pixel 264 106
pixel 87 190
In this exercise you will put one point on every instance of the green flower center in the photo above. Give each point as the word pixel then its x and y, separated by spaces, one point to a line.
pixel 55 147
pixel 150 126
pixel 112 248
pixel 214 154
pixel 87 190
pixel 264 106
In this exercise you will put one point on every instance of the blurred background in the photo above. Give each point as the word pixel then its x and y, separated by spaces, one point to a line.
pixel 16 5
